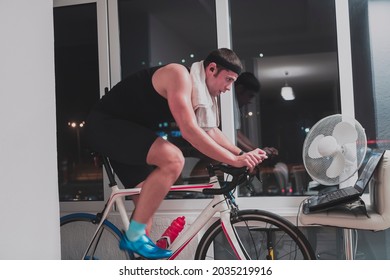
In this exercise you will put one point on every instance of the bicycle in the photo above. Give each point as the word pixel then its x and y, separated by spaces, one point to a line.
pixel 251 234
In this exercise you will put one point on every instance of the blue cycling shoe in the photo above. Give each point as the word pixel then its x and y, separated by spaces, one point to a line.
pixel 144 247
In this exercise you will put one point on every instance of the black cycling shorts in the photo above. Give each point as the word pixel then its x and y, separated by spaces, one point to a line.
pixel 125 143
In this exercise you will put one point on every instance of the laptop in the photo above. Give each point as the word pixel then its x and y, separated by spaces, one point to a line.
pixel 348 194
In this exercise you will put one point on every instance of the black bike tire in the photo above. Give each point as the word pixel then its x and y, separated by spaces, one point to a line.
pixel 89 223
pixel 269 218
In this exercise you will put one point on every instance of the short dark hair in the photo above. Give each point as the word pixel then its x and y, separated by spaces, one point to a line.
pixel 225 59
pixel 249 81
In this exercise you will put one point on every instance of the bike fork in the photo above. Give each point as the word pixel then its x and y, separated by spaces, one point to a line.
pixel 232 236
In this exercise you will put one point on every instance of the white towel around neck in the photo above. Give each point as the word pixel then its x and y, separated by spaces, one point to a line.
pixel 205 106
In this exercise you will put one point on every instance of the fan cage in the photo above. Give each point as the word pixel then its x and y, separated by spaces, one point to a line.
pixel 316 167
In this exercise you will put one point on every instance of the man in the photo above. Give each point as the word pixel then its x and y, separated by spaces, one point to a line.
pixel 246 87
pixel 121 127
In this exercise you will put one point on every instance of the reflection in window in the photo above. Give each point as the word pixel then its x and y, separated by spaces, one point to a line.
pixel 159 32
pixel 172 31
pixel 294 47
pixel 77 88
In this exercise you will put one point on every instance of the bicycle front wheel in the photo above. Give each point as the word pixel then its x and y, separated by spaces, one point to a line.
pixel 262 235
pixel 77 231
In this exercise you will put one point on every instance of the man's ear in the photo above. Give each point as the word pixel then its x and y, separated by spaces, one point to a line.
pixel 212 66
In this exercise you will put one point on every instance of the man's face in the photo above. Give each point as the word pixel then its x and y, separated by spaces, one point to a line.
pixel 219 81
pixel 244 96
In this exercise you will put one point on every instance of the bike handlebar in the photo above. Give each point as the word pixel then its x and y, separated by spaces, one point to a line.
pixel 239 176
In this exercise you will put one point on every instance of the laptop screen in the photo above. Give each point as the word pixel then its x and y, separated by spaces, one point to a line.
pixel 368 171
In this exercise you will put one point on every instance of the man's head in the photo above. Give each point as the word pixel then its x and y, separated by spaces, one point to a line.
pixel 225 59
pixel 222 68
pixel 246 87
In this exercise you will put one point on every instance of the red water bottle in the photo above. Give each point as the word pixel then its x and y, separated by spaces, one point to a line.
pixel 171 233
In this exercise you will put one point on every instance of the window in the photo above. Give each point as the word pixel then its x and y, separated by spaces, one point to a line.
pixel 370 59
pixel 370 49
pixel 81 76
pixel 296 46
pixel 159 32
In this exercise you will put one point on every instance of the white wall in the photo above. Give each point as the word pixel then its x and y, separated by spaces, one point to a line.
pixel 29 208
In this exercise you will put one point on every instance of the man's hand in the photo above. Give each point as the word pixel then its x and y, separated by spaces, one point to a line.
pixel 252 159
pixel 271 151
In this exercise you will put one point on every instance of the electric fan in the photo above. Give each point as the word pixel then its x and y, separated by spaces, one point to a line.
pixel 334 149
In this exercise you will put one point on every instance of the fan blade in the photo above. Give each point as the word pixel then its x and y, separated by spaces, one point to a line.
pixel 327 146
pixel 313 148
pixel 337 166
pixel 345 132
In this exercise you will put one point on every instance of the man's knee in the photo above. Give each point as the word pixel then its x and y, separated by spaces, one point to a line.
pixel 174 162
pixel 167 156
pixel 179 160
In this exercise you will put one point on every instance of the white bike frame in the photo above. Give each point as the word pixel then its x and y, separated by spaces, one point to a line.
pixel 218 205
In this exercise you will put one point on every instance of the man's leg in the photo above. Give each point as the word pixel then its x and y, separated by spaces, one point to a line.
pixel 169 163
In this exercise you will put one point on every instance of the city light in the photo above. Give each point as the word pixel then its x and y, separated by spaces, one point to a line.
pixel 76 124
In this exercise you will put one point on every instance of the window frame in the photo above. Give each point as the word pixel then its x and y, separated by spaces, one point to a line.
pixel 104 81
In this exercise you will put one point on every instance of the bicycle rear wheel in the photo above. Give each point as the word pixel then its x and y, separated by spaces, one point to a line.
pixel 77 231
pixel 261 234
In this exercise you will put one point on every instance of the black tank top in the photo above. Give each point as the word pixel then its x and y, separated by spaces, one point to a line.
pixel 134 98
